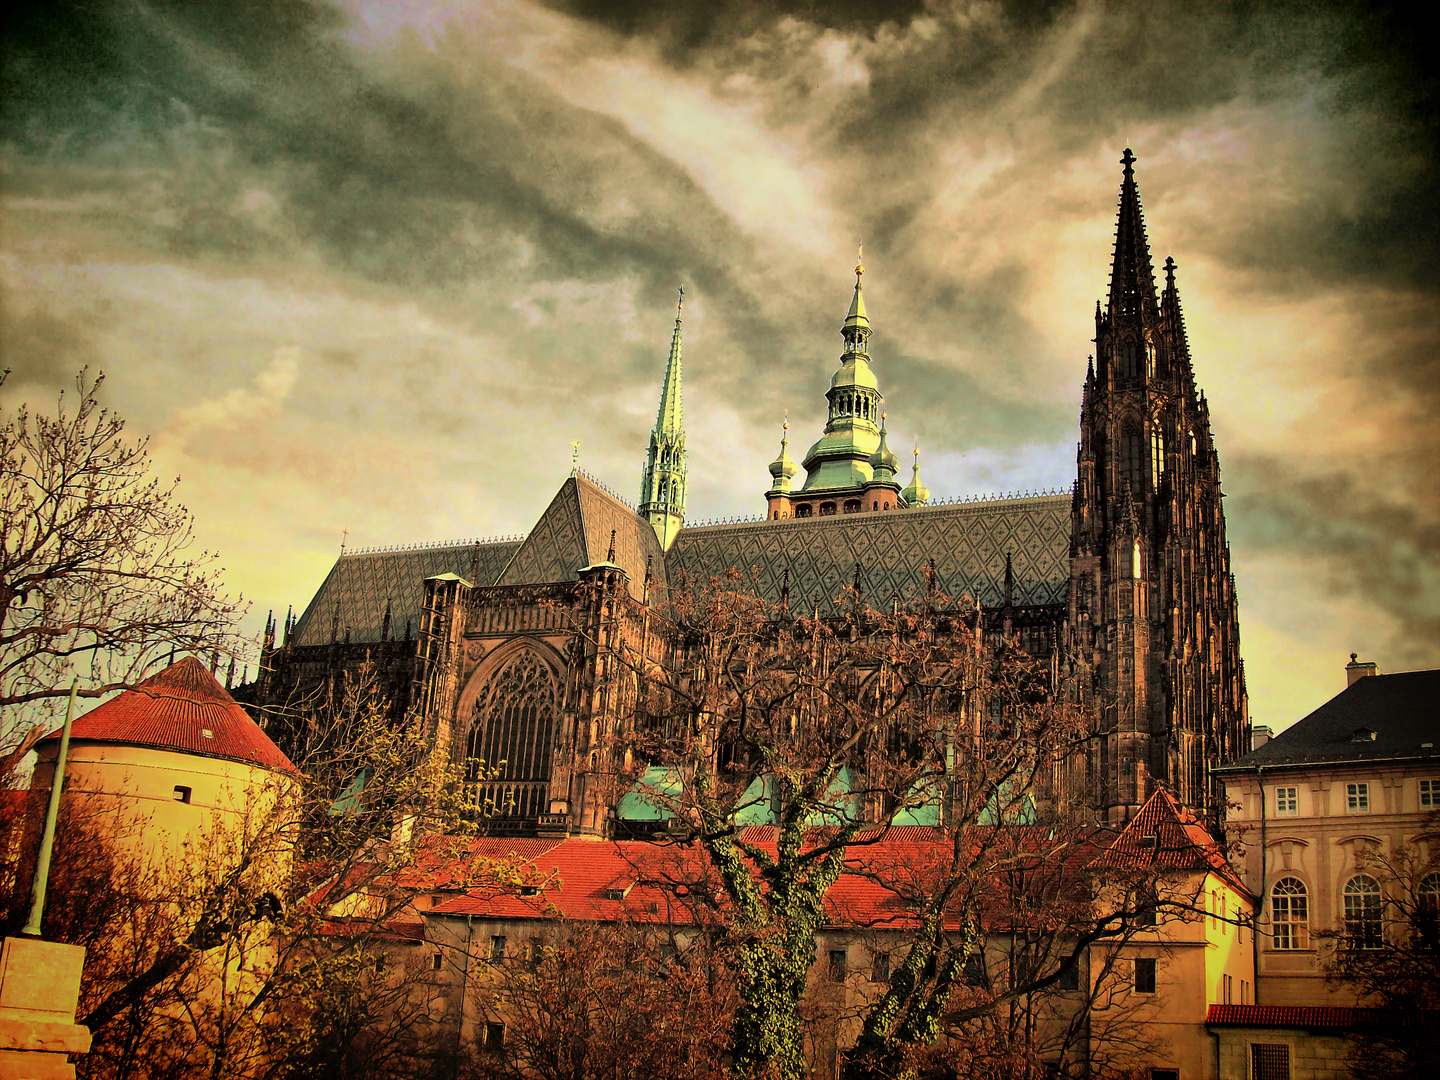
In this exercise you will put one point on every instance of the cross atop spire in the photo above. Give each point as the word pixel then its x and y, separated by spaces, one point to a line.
pixel 1132 277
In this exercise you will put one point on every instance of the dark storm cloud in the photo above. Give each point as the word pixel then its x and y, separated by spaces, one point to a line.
pixel 260 141
pixel 1374 544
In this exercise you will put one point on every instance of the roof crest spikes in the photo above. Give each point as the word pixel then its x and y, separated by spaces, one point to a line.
pixel 597 482
pixel 395 549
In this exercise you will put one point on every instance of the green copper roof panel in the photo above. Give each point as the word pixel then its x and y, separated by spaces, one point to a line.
pixel 359 586
pixel 968 542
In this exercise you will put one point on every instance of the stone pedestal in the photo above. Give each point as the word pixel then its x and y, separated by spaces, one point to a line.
pixel 39 989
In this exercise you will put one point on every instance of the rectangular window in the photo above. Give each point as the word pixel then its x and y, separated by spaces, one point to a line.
pixel 1430 794
pixel 1269 1061
pixel 837 965
pixel 1164 1074
pixel 1286 801
pixel 1357 798
pixel 1069 978
pixel 497 948
pixel 1226 989
pixel 536 952
pixel 974 973
pixel 494 1036
pixel 1145 976
pixel 436 962
pixel 880 967
pixel 182 794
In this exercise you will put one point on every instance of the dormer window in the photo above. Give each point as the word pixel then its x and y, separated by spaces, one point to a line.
pixel 1147 842
pixel 1363 735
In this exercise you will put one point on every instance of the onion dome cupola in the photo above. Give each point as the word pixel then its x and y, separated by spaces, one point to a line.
pixel 662 484
pixel 841 458
pixel 782 469
pixel 883 462
pixel 916 494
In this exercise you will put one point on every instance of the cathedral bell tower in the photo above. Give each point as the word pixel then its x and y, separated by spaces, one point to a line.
pixel 850 469
pixel 662 484
pixel 1152 610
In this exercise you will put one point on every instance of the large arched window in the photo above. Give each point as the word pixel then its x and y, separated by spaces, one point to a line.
pixel 1364 909
pixel 1427 911
pixel 1290 914
pixel 512 734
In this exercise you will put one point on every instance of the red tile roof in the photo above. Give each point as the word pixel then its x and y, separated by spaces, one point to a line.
pixel 1314 1017
pixel 639 881
pixel 183 709
pixel 1165 835
pixel 444 862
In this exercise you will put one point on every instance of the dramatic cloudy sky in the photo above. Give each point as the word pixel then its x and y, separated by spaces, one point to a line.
pixel 374 265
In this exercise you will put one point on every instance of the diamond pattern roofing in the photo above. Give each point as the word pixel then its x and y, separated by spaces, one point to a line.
pixel 574 532
pixel 184 709
pixel 968 542
pixel 354 595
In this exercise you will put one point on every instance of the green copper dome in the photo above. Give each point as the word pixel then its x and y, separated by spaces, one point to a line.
pixel 916 494
pixel 884 458
pixel 782 468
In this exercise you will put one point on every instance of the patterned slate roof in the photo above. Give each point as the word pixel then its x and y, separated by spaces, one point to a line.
pixel 361 584
pixel 182 708
pixel 968 542
pixel 574 532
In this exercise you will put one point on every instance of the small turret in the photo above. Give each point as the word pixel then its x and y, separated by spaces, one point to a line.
pixel 782 469
pixel 883 461
pixel 916 494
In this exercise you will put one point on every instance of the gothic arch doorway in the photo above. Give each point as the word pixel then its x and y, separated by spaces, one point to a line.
pixel 512 731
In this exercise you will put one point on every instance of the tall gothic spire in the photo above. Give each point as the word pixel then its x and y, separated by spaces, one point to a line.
pixel 662 484
pixel 1132 277
pixel 669 418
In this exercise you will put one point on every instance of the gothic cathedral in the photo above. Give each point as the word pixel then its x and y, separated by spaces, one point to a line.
pixel 1123 585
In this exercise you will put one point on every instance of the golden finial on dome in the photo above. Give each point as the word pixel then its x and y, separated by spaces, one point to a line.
pixel 860 259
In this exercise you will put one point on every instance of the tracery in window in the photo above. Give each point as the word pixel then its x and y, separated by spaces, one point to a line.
pixel 1157 455
pixel 1290 914
pixel 512 732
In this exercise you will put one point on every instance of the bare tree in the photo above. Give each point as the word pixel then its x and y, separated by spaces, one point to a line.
pixel 234 959
pixel 98 576
pixel 831 728
pixel 1389 955
pixel 608 1001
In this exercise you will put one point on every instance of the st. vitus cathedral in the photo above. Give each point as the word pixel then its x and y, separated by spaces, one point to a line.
pixel 1122 585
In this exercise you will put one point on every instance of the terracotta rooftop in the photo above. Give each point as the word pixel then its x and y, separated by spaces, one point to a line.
pixel 182 709
pixel 1166 835
pixel 1313 1017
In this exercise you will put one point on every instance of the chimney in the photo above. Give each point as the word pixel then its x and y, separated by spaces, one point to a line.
pixel 1260 734
pixel 1356 670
